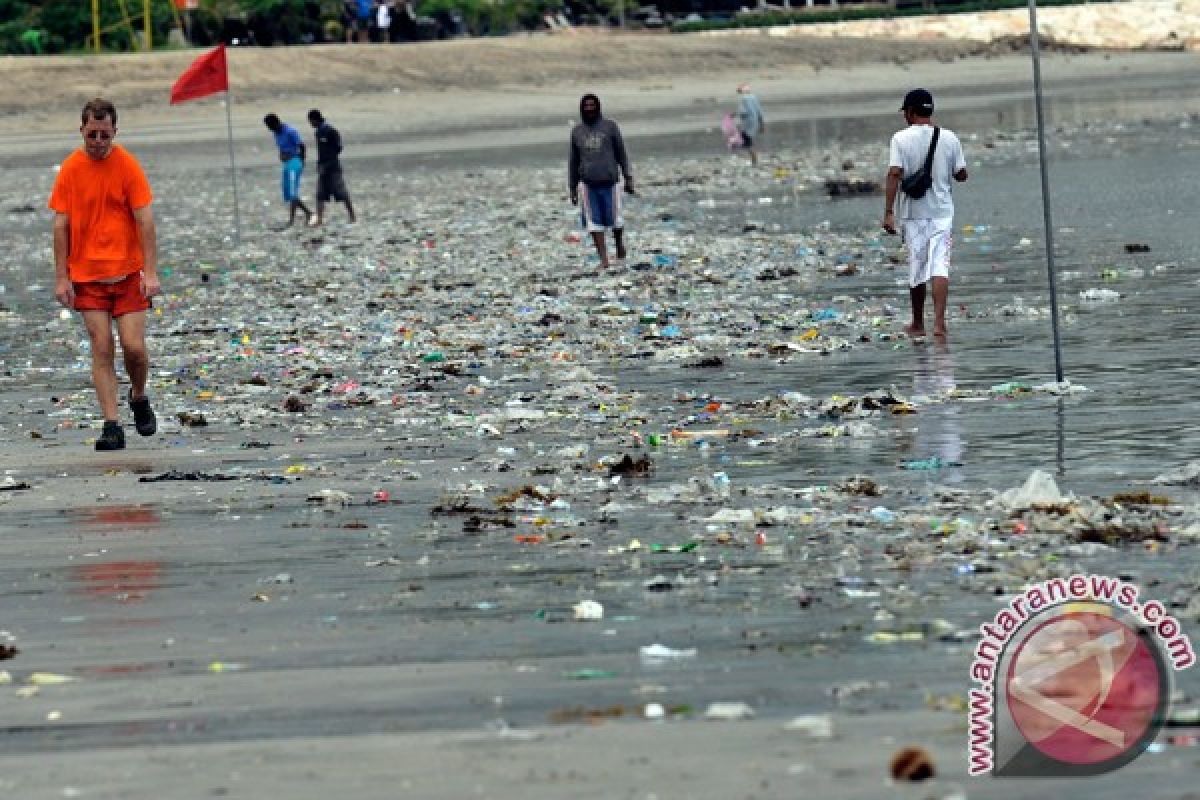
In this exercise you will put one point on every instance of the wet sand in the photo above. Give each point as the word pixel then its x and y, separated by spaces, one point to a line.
pixel 235 637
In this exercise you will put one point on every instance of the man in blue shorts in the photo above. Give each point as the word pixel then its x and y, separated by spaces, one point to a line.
pixel 291 153
pixel 597 163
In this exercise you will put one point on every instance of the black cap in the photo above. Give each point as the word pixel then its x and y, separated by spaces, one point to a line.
pixel 919 101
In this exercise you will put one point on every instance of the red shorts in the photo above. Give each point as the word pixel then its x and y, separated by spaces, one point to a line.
pixel 118 299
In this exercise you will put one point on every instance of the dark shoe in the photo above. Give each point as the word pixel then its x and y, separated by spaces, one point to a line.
pixel 143 415
pixel 112 437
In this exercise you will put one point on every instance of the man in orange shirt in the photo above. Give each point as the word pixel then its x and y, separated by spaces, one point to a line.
pixel 106 262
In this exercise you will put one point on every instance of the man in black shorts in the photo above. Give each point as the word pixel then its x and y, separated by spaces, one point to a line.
pixel 331 184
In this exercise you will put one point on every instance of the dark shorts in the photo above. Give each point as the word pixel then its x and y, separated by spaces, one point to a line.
pixel 118 299
pixel 747 141
pixel 601 207
pixel 331 185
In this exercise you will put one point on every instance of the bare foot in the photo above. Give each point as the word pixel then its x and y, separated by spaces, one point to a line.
pixel 604 265
pixel 914 331
pixel 939 333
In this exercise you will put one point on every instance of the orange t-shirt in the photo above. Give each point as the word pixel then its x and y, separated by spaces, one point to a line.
pixel 99 198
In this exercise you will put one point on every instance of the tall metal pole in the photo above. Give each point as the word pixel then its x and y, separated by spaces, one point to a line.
pixel 237 214
pixel 96 26
pixel 147 26
pixel 1041 126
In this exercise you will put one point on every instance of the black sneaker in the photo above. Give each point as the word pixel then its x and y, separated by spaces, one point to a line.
pixel 143 415
pixel 112 437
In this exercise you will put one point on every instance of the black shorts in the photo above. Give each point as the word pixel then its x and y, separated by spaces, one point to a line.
pixel 746 140
pixel 331 185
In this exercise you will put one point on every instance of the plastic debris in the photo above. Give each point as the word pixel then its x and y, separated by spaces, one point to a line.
pixel 815 726
pixel 1099 296
pixel 654 711
pixel 727 712
pixel 928 464
pixel 1039 489
pixel 588 610
pixel 658 654
pixel 330 498
pixel 589 674
pixel 49 679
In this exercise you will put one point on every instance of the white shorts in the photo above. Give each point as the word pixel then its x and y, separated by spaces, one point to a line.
pixel 929 244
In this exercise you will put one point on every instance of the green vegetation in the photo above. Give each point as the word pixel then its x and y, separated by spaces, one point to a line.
pixel 55 26
pixel 491 17
pixel 31 27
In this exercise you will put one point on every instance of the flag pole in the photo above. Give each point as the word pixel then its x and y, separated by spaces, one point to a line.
pixel 1041 128
pixel 237 216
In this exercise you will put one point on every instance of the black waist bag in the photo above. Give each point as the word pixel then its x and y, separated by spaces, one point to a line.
pixel 920 182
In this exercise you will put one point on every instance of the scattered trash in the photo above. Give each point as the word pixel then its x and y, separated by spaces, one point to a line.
pixel 589 674
pixel 1140 499
pixel 1099 296
pixel 628 466
pixel 179 475
pixel 913 765
pixel 588 610
pixel 1039 490
pixel 883 515
pixel 727 712
pixel 658 584
pixel 330 498
pixel 578 714
pixel 504 429
pixel 815 726
pixel 933 463
pixel 860 485
pixel 658 654
pixel 49 679
pixel 295 405
pixel 1187 475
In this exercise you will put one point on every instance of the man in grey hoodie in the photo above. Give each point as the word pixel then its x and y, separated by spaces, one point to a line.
pixel 597 163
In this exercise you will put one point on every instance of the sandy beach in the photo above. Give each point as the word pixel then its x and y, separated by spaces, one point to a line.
pixel 392 461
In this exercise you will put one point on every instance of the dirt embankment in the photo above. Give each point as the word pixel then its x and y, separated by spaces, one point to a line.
pixel 30 84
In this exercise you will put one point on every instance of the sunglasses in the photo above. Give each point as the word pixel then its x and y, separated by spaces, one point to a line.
pixel 101 135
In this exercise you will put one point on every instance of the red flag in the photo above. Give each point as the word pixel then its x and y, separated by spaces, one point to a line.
pixel 207 75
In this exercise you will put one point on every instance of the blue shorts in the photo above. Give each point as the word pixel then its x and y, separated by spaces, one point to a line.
pixel 601 207
pixel 292 169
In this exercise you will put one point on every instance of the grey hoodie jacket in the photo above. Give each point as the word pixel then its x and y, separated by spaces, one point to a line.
pixel 597 152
